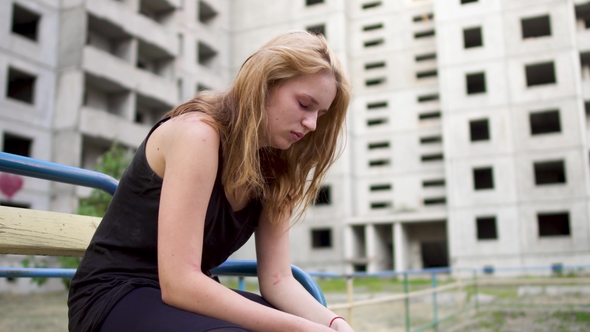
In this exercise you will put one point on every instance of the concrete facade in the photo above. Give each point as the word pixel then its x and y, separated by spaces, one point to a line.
pixel 467 129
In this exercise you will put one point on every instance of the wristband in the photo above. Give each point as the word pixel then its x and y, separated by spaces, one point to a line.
pixel 335 318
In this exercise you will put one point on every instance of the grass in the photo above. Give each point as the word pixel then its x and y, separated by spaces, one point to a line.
pixel 374 285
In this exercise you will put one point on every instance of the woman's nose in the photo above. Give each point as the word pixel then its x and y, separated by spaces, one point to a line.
pixel 310 121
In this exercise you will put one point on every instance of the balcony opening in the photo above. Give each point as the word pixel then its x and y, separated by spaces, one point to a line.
pixel 16 144
pixel 375 122
pixel 536 27
pixel 372 27
pixel 379 162
pixel 468 1
pixel 377 105
pixel 205 54
pixel 324 196
pixel 154 59
pixel 472 37
pixel 423 18
pixel 550 172
pixel 545 122
pixel 158 10
pixel 476 83
pixel 313 2
pixel 106 95
pixel 25 22
pixel 433 183
pixel 554 224
pixel 585 65
pixel 375 81
pixel 371 4
pixel 319 29
pixel 486 228
pixel 380 205
pixel 426 74
pixel 21 86
pixel 202 87
pixel 378 145
pixel 432 157
pixel 434 254
pixel 424 34
pixel 540 74
pixel 321 238
pixel 483 178
pixel 435 201
pixel 425 57
pixel 109 38
pixel 428 98
pixel 479 130
pixel 149 110
pixel 429 115
pixel 380 187
pixel 374 65
pixel 430 139
pixel 206 12
pixel 375 42
pixel 583 15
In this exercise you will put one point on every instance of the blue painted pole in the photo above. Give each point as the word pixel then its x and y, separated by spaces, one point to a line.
pixel 241 283
pixel 434 302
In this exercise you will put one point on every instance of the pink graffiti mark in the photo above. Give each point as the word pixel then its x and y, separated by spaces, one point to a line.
pixel 10 184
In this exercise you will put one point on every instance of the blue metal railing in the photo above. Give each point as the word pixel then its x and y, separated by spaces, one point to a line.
pixel 10 163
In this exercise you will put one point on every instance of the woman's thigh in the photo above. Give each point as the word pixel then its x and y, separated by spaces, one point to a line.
pixel 143 310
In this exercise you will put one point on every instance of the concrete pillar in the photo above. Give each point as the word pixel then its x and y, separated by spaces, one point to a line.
pixel 399 245
pixel 349 248
pixel 371 248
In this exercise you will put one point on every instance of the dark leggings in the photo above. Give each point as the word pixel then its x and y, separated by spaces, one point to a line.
pixel 143 310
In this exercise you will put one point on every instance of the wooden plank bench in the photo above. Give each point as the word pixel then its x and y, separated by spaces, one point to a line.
pixel 46 233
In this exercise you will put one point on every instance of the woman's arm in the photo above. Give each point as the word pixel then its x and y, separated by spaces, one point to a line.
pixel 184 151
pixel 277 284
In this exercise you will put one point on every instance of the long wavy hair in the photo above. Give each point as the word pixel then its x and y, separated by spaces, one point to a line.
pixel 281 179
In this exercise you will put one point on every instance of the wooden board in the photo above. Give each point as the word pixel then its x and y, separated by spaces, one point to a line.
pixel 33 232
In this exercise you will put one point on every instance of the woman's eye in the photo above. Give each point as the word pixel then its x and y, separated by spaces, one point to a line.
pixel 303 106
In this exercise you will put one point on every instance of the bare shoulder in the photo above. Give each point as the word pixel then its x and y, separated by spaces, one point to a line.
pixel 180 138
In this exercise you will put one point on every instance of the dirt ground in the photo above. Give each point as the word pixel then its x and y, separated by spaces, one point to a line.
pixel 48 313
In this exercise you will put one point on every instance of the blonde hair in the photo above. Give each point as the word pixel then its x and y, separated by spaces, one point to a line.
pixel 281 179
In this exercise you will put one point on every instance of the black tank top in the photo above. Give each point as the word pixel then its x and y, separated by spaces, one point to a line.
pixel 122 255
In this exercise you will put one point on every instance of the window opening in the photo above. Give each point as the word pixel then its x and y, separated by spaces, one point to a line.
pixel 18 145
pixel 479 130
pixel 549 172
pixel 373 43
pixel 435 201
pixel 378 145
pixel 540 74
pixel 321 238
pixel 427 98
pixel 206 12
pixel 157 10
pixel 376 105
pixel 374 65
pixel 468 1
pixel 324 196
pixel 423 18
pixel 205 54
pixel 536 27
pixel 15 204
pixel 313 2
pixel 585 65
pixel 21 86
pixel 380 187
pixel 426 74
pixel 373 27
pixel 424 34
pixel 425 57
pixel 430 139
pixel 372 4
pixel 583 15
pixel 553 224
pixel 472 37
pixel 375 81
pixel 433 183
pixel 429 115
pixel 486 228
pixel 432 157
pixel 379 162
pixel 25 22
pixel 378 121
pixel 545 122
pixel 483 178
pixel 380 205
pixel 319 29
pixel 476 83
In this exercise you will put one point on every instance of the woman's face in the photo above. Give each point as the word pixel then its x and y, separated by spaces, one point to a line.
pixel 294 106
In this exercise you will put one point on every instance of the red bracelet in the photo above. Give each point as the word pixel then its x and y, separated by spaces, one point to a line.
pixel 335 318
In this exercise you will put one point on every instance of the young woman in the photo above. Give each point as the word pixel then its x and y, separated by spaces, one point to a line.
pixel 211 173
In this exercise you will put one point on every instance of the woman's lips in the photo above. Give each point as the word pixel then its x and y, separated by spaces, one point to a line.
pixel 296 135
